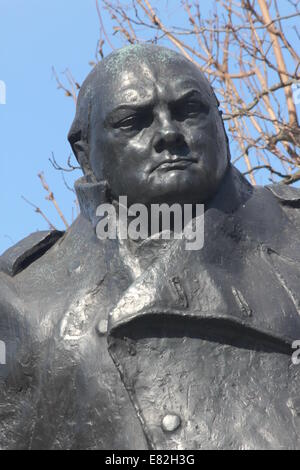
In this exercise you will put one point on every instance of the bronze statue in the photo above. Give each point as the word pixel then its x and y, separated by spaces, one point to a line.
pixel 125 344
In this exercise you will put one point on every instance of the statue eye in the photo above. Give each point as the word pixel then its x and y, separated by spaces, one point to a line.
pixel 194 109
pixel 127 123
pixel 135 122
pixel 190 109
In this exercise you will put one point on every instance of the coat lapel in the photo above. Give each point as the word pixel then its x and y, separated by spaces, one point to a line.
pixel 248 273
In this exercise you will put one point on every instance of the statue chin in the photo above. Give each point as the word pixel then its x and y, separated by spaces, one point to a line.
pixel 173 186
pixel 182 189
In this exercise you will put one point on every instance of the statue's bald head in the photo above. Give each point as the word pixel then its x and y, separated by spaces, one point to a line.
pixel 104 81
pixel 141 77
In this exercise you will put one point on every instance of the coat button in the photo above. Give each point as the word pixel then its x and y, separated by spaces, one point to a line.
pixel 102 327
pixel 170 422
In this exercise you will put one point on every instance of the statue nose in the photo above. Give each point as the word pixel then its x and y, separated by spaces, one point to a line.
pixel 168 137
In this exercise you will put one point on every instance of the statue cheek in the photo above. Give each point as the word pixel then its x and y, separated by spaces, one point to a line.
pixel 198 139
pixel 143 140
pixel 137 151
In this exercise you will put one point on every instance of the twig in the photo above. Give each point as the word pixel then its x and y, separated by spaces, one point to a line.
pixel 253 103
pixel 267 167
pixel 57 166
pixel 102 26
pixel 39 211
pixel 60 85
pixel 52 199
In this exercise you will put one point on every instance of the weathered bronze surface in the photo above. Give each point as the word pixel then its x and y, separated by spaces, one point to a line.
pixel 119 344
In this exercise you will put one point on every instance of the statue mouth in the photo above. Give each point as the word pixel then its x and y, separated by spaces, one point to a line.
pixel 176 163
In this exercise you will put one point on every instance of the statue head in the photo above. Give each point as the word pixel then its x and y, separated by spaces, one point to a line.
pixel 148 124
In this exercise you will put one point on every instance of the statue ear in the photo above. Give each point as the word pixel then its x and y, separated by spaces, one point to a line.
pixel 81 150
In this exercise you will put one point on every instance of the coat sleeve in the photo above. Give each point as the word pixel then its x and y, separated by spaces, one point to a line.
pixel 16 369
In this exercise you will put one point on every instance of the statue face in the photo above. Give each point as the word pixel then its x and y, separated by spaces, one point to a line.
pixel 156 135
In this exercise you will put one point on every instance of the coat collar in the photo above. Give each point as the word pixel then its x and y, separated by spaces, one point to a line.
pixel 246 274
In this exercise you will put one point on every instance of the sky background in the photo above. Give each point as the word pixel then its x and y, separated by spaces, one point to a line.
pixel 34 36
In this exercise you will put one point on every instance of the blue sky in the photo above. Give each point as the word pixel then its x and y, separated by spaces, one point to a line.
pixel 34 36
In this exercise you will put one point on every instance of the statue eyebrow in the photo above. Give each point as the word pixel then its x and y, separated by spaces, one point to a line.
pixel 148 105
pixel 186 95
pixel 137 107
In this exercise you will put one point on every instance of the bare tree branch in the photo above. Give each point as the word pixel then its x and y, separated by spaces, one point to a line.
pixel 39 211
pixel 50 197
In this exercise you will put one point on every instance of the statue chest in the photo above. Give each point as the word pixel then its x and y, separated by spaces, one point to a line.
pixel 210 390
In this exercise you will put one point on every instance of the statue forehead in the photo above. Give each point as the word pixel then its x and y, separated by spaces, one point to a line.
pixel 137 70
pixel 137 55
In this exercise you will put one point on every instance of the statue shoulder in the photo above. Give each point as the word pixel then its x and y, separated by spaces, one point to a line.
pixel 28 250
pixel 287 195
